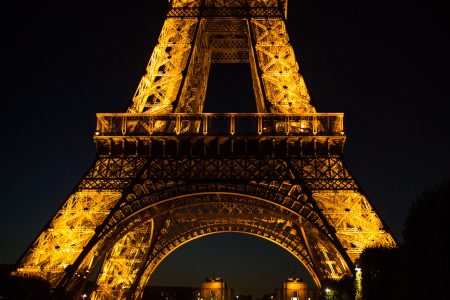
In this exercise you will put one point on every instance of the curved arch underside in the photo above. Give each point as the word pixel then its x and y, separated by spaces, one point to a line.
pixel 199 215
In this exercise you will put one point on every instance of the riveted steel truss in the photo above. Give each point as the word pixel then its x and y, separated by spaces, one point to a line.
pixel 166 173
pixel 119 270
pixel 72 227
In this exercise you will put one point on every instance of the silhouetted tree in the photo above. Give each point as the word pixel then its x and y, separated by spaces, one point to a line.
pixel 379 267
pixel 424 260
pixel 418 268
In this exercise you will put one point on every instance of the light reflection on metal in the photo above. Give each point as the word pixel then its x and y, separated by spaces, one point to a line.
pixel 166 173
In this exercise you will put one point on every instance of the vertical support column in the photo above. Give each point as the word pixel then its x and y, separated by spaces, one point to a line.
pixel 284 87
pixel 191 96
pixel 205 124
pixel 232 125
pixel 260 125
pixel 262 104
pixel 160 86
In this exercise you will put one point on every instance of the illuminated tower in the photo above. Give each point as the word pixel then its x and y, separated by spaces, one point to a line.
pixel 166 173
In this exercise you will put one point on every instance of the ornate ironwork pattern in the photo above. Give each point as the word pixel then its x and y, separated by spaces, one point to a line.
pixel 118 271
pixel 357 224
pixel 72 227
pixel 166 173
pixel 160 85
pixel 192 217
pixel 285 88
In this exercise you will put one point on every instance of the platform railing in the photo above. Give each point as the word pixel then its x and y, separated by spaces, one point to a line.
pixel 264 124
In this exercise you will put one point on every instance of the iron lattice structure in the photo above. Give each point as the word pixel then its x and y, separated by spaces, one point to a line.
pixel 166 173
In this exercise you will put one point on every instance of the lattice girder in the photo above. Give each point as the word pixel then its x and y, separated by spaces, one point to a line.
pixel 284 86
pixel 60 244
pixel 159 86
pixel 357 224
pixel 194 89
pixel 64 238
pixel 118 271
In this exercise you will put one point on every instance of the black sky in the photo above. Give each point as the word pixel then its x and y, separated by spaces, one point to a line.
pixel 385 64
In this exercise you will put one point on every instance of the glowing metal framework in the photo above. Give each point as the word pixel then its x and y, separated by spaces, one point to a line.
pixel 166 173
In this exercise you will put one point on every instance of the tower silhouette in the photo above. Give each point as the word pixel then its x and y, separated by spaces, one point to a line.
pixel 167 173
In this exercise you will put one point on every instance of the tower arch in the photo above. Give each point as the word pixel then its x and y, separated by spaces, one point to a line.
pixel 194 216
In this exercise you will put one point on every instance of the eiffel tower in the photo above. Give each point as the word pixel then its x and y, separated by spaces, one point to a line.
pixel 167 173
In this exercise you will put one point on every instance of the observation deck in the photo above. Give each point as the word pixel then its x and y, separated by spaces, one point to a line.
pixel 219 134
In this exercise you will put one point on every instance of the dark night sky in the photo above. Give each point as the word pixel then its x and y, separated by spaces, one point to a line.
pixel 385 64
